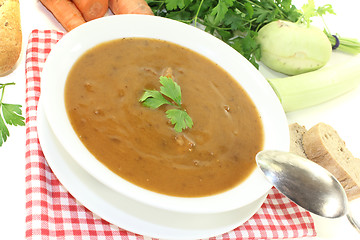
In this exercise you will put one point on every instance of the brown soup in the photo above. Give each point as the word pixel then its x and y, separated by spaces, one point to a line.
pixel 140 144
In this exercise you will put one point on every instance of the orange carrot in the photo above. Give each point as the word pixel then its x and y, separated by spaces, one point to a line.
pixel 65 12
pixel 92 9
pixel 130 7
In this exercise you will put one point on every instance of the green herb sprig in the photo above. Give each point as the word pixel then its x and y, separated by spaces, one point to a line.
pixel 10 114
pixel 170 89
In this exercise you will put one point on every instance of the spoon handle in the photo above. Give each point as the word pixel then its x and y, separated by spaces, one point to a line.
pixel 353 222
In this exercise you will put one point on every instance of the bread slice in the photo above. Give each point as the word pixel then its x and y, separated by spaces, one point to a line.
pixel 323 145
pixel 296 138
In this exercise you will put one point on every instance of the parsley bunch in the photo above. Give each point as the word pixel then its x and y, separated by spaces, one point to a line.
pixel 9 114
pixel 154 99
pixel 236 22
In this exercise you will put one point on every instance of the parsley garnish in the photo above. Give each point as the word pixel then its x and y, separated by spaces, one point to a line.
pixel 11 113
pixel 170 89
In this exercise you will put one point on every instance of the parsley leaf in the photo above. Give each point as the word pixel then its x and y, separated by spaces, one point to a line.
pixel 221 9
pixel 309 10
pixel 174 4
pixel 154 99
pixel 180 118
pixel 327 8
pixel 4 132
pixel 170 89
pixel 11 114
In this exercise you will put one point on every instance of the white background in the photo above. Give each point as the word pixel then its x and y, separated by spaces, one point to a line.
pixel 342 113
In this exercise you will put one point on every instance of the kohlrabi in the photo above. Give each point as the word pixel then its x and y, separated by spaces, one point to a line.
pixel 293 48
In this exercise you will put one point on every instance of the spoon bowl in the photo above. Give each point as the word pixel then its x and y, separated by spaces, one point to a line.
pixel 305 183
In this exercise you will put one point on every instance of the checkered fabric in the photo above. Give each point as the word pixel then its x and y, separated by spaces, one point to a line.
pixel 52 213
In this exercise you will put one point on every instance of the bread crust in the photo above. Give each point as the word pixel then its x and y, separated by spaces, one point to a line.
pixel 296 139
pixel 323 145
pixel 10 35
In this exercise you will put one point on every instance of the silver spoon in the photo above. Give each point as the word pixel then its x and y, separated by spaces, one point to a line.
pixel 305 183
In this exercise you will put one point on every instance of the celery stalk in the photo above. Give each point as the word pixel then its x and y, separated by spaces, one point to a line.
pixel 312 88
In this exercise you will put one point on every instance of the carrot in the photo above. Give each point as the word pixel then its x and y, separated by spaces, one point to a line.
pixel 65 12
pixel 130 7
pixel 92 9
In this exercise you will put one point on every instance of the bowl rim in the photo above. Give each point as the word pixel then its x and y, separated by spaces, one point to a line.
pixel 76 42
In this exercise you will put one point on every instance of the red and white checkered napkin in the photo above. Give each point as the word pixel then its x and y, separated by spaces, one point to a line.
pixel 51 212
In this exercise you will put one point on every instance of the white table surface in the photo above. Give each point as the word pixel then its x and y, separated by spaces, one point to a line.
pixel 341 113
